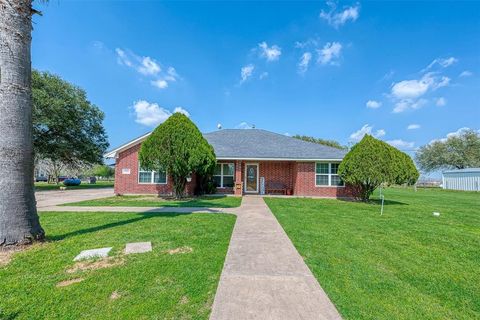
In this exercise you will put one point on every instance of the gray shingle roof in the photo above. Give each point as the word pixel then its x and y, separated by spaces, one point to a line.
pixel 261 144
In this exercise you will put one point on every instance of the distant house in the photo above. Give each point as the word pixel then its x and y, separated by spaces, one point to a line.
pixel 249 161
pixel 462 179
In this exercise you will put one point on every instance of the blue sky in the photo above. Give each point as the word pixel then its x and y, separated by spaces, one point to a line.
pixel 407 72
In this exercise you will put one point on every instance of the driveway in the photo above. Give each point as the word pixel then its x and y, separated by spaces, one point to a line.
pixel 53 198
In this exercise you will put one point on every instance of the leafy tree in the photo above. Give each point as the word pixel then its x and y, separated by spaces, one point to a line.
pixel 103 171
pixel 372 162
pixel 19 223
pixel 456 152
pixel 67 128
pixel 330 143
pixel 178 147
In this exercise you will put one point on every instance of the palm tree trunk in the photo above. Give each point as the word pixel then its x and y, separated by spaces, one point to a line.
pixel 19 223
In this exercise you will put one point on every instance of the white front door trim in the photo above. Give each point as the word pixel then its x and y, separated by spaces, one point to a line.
pixel 246 179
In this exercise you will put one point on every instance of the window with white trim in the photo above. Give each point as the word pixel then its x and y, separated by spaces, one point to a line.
pixel 326 174
pixel 223 175
pixel 151 177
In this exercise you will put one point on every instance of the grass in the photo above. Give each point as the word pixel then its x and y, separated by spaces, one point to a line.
pixel 154 201
pixel 154 285
pixel 405 264
pixel 44 186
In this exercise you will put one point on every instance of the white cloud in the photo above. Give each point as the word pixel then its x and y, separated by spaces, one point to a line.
pixel 442 82
pixel 440 102
pixel 388 75
pixel 379 133
pixel 304 62
pixel 408 93
pixel 161 84
pixel 411 89
pixel 454 134
pixel 122 58
pixel 337 19
pixel 263 75
pixel 270 53
pixel 466 73
pixel 442 62
pixel 311 42
pixel 459 132
pixel 401 144
pixel 181 110
pixel 413 126
pixel 246 72
pixel 406 104
pixel 330 53
pixel 172 74
pixel 150 114
pixel 98 44
pixel 148 66
pixel 372 104
pixel 243 125
pixel 366 129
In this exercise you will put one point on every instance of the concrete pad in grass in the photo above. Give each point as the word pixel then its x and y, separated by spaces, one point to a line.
pixel 138 247
pixel 93 253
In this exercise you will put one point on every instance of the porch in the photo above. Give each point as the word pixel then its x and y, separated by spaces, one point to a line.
pixel 255 177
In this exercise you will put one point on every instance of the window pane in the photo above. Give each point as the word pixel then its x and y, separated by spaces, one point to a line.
pixel 218 169
pixel 216 181
pixel 160 177
pixel 335 168
pixel 322 168
pixel 322 180
pixel 145 177
pixel 227 182
pixel 336 181
pixel 228 169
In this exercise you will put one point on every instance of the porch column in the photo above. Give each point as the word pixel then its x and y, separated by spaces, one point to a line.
pixel 238 178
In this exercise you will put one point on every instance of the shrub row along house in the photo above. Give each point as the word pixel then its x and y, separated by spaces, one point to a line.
pixel 249 161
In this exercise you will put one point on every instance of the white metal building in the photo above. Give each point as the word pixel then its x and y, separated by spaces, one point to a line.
pixel 462 179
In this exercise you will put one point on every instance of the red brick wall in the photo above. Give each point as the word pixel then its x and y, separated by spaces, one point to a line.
pixel 277 172
pixel 128 183
pixel 298 176
pixel 305 184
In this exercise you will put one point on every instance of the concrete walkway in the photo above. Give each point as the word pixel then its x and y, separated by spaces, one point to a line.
pixel 264 277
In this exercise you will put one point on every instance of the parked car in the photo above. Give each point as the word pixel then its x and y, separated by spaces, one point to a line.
pixel 62 178
pixel 41 179
pixel 72 182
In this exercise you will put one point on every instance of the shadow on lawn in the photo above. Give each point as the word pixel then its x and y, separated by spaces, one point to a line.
pixel 197 201
pixel 8 316
pixel 142 216
pixel 386 202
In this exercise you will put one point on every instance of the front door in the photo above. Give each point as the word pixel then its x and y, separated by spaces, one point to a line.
pixel 251 177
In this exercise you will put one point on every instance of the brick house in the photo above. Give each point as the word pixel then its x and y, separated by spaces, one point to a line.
pixel 249 161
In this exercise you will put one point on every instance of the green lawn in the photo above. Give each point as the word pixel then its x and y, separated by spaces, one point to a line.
pixel 154 201
pixel 44 186
pixel 155 285
pixel 405 264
